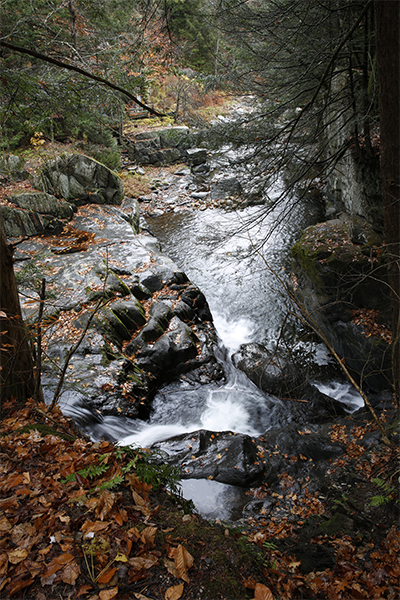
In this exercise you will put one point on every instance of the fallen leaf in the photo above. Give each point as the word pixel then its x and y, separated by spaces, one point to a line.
pixel 107 576
pixel 148 535
pixel 3 564
pixel 108 594
pixel 17 586
pixel 121 557
pixel 5 524
pixel 63 559
pixel 71 573
pixel 183 560
pixel 84 589
pixel 174 592
pixel 142 562
pixel 105 505
pixel 262 592
pixel 17 555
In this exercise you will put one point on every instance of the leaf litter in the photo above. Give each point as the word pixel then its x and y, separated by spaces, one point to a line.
pixel 66 532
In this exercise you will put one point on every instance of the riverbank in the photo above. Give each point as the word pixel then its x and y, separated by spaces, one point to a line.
pixel 83 519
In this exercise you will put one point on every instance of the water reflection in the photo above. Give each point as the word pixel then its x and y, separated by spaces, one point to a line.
pixel 214 500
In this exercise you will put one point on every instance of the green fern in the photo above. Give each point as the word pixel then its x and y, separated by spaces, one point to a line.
pixel 90 472
pixel 111 483
pixel 389 493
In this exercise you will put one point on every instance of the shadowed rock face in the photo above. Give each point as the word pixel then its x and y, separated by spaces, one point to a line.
pixel 223 456
pixel 81 179
pixel 340 269
pixel 34 213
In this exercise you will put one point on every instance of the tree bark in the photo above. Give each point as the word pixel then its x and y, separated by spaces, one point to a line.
pixel 16 365
pixel 387 21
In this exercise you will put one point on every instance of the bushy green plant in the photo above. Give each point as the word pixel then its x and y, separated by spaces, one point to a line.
pixel 110 157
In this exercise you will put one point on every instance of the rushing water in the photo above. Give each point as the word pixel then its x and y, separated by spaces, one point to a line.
pixel 225 255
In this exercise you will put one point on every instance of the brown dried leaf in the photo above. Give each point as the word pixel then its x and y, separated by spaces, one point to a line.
pixel 107 576
pixel 174 592
pixel 17 586
pixel 5 525
pixel 3 564
pixel 105 505
pixel 148 535
pixel 17 555
pixel 262 592
pixel 64 559
pixel 71 573
pixel 183 561
pixel 84 589
pixel 108 594
pixel 94 526
pixel 142 562
pixel 138 500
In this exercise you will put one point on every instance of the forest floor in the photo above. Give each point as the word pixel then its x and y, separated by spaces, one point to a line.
pixel 91 520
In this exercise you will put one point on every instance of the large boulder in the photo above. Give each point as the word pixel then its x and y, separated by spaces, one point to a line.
pixel 12 167
pixel 274 374
pixel 43 203
pixel 34 213
pixel 82 180
pixel 340 270
pixel 27 223
pixel 158 147
pixel 223 456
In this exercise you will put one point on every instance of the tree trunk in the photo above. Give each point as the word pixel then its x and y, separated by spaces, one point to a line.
pixel 387 20
pixel 16 364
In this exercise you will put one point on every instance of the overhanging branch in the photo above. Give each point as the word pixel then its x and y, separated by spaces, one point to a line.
pixel 63 65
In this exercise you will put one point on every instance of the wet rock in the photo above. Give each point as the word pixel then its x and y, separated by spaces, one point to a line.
pixel 224 456
pixel 160 316
pixel 27 223
pixel 336 277
pixel 177 345
pixel 196 300
pixel 196 156
pixel 226 187
pixel 270 372
pixel 273 374
pixel 130 312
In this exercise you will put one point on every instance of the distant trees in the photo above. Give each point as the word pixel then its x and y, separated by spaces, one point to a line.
pixel 121 41
pixel 287 54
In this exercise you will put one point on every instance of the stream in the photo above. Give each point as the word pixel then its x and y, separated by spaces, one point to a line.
pixel 223 253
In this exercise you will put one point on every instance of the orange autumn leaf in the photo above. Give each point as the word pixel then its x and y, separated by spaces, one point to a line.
pixel 262 592
pixel 107 576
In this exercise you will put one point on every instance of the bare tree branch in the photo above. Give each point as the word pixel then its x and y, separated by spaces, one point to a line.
pixel 64 65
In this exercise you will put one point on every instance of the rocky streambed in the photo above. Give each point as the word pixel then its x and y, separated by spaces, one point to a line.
pixel 150 367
